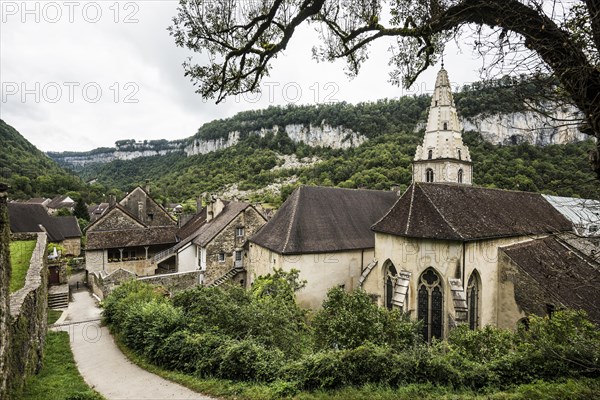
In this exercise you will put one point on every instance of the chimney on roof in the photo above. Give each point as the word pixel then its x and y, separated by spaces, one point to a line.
pixel 147 186
pixel 198 204
pixel 112 200
pixel 141 211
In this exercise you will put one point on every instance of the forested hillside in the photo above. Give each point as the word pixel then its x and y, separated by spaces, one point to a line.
pixel 379 163
pixel 28 170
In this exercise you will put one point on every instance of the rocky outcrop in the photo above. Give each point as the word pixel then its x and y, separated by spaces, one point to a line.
pixel 527 127
pixel 323 135
pixel 506 129
pixel 79 160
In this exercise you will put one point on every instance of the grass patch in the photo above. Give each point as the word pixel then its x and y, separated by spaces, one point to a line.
pixel 53 316
pixel 574 389
pixel 59 378
pixel 20 255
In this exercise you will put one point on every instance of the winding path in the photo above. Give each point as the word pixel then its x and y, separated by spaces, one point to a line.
pixel 102 364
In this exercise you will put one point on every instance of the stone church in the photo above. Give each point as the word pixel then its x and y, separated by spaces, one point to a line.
pixel 449 252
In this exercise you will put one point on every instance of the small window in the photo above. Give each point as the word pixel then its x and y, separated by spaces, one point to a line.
pixel 221 257
pixel 239 232
pixel 430 154
pixel 150 217
pixel 460 176
pixel 238 255
pixel 429 175
pixel 459 155
pixel 445 126
pixel 436 103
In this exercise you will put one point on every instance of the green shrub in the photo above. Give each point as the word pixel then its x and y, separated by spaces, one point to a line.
pixel 89 395
pixel 348 320
pixel 248 360
pixel 146 326
pixel 130 294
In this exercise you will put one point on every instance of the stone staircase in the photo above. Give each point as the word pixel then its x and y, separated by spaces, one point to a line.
pixel 227 276
pixel 58 297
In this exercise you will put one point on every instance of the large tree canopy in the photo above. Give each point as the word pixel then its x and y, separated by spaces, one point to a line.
pixel 241 38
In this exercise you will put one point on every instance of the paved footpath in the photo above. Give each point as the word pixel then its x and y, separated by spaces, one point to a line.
pixel 102 364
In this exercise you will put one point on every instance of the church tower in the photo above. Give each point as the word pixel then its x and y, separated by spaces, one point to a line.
pixel 443 157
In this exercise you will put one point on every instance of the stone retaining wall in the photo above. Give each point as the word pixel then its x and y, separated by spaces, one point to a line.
pixel 23 330
pixel 175 282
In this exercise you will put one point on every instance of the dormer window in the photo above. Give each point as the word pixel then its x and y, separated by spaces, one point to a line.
pixel 430 154
pixel 429 175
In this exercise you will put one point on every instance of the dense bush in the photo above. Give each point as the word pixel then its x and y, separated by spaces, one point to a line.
pixel 348 320
pixel 262 336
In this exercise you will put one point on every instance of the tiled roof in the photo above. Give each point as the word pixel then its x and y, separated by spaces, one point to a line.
pixel 209 230
pixel 131 237
pixel 464 212
pixel 60 202
pixel 560 270
pixel 25 217
pixel 322 219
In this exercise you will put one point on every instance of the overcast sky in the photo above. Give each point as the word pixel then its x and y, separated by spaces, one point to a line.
pixel 69 83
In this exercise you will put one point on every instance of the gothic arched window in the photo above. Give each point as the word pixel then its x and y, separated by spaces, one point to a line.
pixel 390 277
pixel 430 302
pixel 428 175
pixel 430 154
pixel 460 176
pixel 445 126
pixel 473 289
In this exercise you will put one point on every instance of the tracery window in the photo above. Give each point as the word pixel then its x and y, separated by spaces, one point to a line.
pixel 473 289
pixel 430 300
pixel 429 175
pixel 390 277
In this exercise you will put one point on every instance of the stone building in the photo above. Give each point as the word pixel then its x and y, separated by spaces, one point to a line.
pixel 213 241
pixel 324 233
pixel 129 234
pixel 32 218
pixel 449 253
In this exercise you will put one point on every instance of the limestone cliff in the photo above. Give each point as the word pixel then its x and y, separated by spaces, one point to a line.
pixel 322 135
pixel 511 128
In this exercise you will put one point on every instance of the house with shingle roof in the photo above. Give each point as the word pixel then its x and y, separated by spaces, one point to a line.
pixel 129 234
pixel 213 241
pixel 32 217
pixel 59 202
pixel 324 233
pixel 438 249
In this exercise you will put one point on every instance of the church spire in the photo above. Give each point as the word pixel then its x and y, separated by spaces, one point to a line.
pixel 443 157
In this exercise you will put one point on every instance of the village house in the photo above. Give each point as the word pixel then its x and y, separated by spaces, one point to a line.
pixel 60 202
pixel 97 210
pixel 32 217
pixel 324 233
pixel 213 241
pixel 129 234
pixel 448 252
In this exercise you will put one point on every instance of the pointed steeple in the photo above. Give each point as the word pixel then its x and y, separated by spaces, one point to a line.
pixel 443 146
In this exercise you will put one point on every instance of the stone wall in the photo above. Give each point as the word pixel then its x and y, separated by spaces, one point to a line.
pixel 24 334
pixel 102 285
pixel 4 293
pixel 175 282
pixel 226 242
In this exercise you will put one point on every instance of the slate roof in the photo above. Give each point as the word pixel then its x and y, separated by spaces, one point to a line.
pixel 464 212
pixel 27 217
pixel 209 230
pixel 97 210
pixel 37 200
pixel 132 237
pixel 561 271
pixel 192 225
pixel 324 219
pixel 61 201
